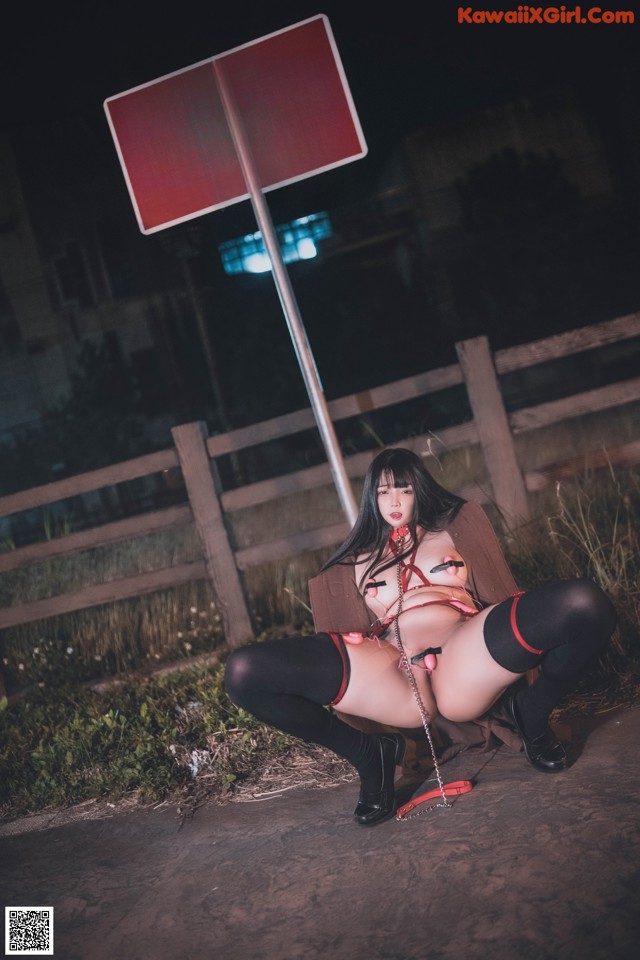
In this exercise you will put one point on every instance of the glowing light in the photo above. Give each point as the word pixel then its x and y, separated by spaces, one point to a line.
pixel 298 241
pixel 257 263
pixel 306 248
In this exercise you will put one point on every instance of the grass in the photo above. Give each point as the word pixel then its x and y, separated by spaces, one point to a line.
pixel 588 528
pixel 136 634
pixel 147 739
pixel 178 737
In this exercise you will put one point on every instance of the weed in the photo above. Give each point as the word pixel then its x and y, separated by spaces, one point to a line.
pixel 586 528
pixel 151 738
pixel 126 635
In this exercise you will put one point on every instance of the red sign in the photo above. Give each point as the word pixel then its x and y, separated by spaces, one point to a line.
pixel 175 148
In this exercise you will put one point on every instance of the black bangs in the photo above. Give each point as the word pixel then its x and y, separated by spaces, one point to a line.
pixel 433 507
pixel 400 479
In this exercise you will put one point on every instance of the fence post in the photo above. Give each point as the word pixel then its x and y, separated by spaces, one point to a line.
pixel 495 435
pixel 192 453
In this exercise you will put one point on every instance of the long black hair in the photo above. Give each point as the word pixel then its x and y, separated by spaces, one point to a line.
pixel 434 507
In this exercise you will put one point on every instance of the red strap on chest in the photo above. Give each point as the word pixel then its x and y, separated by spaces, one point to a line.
pixel 410 568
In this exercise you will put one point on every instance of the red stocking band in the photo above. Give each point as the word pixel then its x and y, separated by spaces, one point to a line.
pixel 516 632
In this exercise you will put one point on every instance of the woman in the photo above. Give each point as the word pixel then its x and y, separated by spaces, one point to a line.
pixel 427 637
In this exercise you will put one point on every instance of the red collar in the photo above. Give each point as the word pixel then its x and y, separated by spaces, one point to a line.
pixel 399 532
pixel 397 539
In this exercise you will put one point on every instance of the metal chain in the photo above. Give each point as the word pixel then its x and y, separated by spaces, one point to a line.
pixel 421 707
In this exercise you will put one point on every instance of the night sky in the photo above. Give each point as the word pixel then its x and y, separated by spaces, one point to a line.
pixel 409 66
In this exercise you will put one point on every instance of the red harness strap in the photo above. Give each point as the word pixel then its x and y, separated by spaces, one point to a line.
pixel 410 568
pixel 458 605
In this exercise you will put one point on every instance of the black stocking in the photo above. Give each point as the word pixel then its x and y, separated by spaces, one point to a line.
pixel 285 684
pixel 561 626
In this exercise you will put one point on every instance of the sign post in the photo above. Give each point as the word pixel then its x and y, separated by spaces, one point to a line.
pixel 260 116
pixel 287 300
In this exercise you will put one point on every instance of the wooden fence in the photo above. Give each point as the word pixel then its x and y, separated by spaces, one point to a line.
pixel 195 454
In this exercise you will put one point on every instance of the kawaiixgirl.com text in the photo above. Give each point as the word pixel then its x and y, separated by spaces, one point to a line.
pixel 525 14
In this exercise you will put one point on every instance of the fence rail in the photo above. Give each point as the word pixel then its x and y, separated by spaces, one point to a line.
pixel 195 454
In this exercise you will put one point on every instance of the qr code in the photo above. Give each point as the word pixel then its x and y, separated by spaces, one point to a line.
pixel 28 931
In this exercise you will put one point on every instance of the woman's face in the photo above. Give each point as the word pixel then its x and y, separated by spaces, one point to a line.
pixel 395 503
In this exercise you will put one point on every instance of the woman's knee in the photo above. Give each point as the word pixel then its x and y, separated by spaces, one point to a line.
pixel 587 601
pixel 240 674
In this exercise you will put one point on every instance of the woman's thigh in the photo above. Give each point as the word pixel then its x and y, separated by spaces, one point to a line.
pixel 464 685
pixel 467 680
pixel 379 688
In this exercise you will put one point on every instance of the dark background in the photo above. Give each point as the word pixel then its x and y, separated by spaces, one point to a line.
pixel 534 260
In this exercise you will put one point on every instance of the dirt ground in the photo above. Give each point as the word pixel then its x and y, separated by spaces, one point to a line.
pixel 528 865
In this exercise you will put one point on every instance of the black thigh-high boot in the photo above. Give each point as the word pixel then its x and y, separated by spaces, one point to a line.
pixel 563 627
pixel 286 683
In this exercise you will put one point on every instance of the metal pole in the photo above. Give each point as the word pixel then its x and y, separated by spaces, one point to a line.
pixel 287 299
